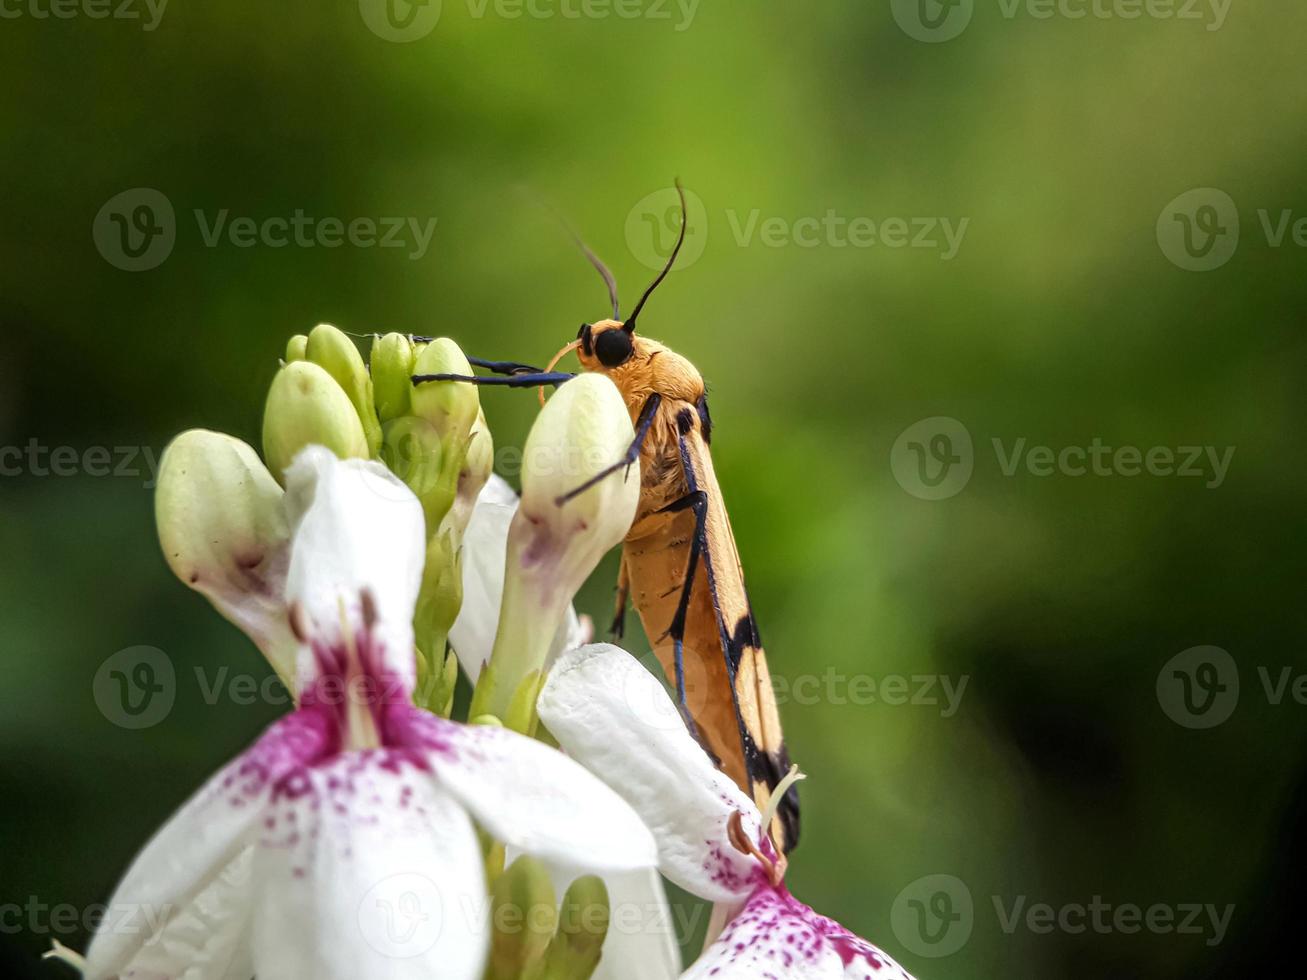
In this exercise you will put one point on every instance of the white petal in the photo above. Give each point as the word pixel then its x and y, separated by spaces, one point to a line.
pixel 641 942
pixel 528 795
pixel 778 936
pixel 613 716
pixel 356 529
pixel 209 939
pixel 497 491
pixel 367 870
pixel 484 550
pixel 172 877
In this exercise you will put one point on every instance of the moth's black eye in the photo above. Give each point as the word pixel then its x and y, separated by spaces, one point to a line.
pixel 613 347
pixel 583 335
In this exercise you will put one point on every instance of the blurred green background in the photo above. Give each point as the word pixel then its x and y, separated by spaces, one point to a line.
pixel 1061 319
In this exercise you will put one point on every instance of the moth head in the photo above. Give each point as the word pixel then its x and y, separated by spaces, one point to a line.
pixel 608 344
pixel 605 344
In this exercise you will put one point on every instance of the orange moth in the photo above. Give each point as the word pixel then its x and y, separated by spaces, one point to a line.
pixel 680 566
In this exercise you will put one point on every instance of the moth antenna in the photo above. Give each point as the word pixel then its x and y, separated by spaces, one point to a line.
pixel 603 270
pixel 629 325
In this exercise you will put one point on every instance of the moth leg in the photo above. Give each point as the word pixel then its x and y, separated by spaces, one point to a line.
pixel 515 381
pixel 498 367
pixel 642 426
pixel 618 629
pixel 504 367
pixel 696 500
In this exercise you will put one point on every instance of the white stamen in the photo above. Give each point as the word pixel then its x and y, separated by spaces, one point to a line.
pixel 360 725
pixel 778 794
pixel 58 951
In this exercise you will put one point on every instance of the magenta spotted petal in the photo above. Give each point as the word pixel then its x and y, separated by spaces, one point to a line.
pixel 613 716
pixel 777 937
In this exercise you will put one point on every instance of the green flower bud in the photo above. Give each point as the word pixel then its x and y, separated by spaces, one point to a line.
pixel 477 467
pixel 440 597
pixel 582 928
pixel 450 406
pixel 297 347
pixel 444 684
pixel 336 354
pixel 306 407
pixel 494 854
pixel 524 914
pixel 554 544
pixel 428 448
pixel 412 448
pixel 224 533
pixel 521 715
pixel 392 371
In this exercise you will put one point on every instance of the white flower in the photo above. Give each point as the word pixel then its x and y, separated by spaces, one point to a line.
pixel 341 845
pixel 485 545
pixel 596 702
pixel 641 943
pixel 578 501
